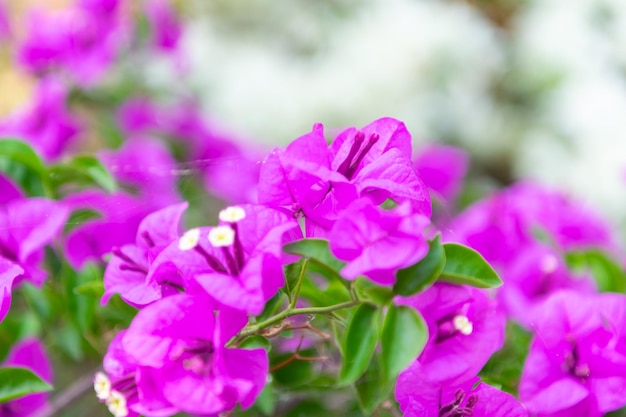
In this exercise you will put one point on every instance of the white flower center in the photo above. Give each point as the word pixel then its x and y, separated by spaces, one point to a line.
pixel 549 263
pixel 189 240
pixel 117 404
pixel 221 236
pixel 463 325
pixel 102 386
pixel 232 214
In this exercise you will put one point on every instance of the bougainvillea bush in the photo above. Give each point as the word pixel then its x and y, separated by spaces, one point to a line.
pixel 152 264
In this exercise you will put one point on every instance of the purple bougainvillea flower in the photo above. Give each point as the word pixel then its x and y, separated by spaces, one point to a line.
pixel 375 160
pixel 127 389
pixel 127 271
pixel 239 263
pixel 184 337
pixel 376 242
pixel 5 29
pixel 119 217
pixel 536 273
pixel 8 190
pixel 28 225
pixel 81 40
pixel 166 28
pixel 577 361
pixel 28 353
pixel 45 123
pixel 146 166
pixel 442 168
pixel 419 396
pixel 514 216
pixel 465 328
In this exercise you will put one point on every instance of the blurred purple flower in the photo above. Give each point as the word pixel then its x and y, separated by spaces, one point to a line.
pixel 465 328
pixel 45 123
pixel 28 225
pixel 81 40
pixel 8 190
pixel 146 166
pixel 577 361
pixel 536 273
pixel 5 28
pixel 28 353
pixel 376 242
pixel 443 169
pixel 500 225
pixel 166 29
pixel 184 338
pixel 420 396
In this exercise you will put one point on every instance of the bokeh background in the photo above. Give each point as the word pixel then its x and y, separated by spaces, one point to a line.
pixel 532 88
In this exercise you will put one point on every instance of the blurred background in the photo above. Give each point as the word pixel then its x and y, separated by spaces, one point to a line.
pixel 531 88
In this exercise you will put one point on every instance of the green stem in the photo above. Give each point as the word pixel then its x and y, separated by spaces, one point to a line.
pixel 249 331
pixel 296 294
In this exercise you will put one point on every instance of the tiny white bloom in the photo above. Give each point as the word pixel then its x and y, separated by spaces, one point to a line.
pixel 189 240
pixel 102 386
pixel 117 404
pixel 221 236
pixel 232 214
pixel 463 325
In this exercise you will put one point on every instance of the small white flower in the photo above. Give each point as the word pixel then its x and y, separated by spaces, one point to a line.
pixel 117 404
pixel 221 236
pixel 463 325
pixel 232 214
pixel 102 386
pixel 189 240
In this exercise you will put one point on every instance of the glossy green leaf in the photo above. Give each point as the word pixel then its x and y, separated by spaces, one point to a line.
pixel 19 151
pixel 609 276
pixel 17 382
pixel 82 170
pixel 423 274
pixel 316 250
pixel 255 342
pixel 465 266
pixel 372 388
pixel 266 401
pixel 360 343
pixel 368 291
pixel 404 336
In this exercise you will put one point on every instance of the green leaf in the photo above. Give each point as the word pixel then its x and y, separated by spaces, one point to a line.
pixel 423 274
pixel 405 334
pixel 317 251
pixel 17 382
pixel 372 388
pixel 607 273
pixel 467 267
pixel 79 217
pixel 19 151
pixel 504 368
pixel 266 401
pixel 360 343
pixel 368 291
pixel 254 342
pixel 20 162
pixel 82 170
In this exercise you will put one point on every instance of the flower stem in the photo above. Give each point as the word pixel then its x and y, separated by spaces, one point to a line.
pixel 250 330
pixel 296 294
